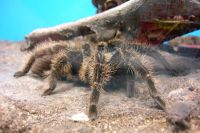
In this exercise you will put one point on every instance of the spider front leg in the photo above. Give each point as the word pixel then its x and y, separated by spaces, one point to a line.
pixel 139 68
pixel 96 86
pixel 94 98
pixel 100 73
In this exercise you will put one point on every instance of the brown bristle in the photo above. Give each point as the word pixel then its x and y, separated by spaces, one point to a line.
pixel 83 72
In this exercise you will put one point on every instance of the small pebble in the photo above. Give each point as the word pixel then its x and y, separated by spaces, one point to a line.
pixel 79 117
pixel 191 88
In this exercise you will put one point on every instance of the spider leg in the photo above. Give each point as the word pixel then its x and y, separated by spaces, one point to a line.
pixel 27 67
pixel 99 74
pixel 60 67
pixel 35 55
pixel 94 98
pixel 130 84
pixel 53 77
pixel 95 85
pixel 40 66
pixel 139 68
pixel 156 55
pixel 52 82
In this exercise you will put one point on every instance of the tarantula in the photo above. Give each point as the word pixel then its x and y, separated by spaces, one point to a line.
pixel 109 60
pixel 96 65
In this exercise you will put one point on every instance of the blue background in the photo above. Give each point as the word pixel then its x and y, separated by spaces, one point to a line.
pixel 19 17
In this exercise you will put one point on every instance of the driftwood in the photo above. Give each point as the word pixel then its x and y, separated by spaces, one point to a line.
pixel 134 19
pixel 98 24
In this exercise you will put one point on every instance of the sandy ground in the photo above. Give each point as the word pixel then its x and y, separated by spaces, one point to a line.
pixel 23 109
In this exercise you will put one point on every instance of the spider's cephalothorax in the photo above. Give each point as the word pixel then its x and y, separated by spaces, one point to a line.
pixel 108 60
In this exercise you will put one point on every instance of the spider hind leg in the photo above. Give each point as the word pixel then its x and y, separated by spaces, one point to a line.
pixel 130 85
pixel 27 67
pixel 141 70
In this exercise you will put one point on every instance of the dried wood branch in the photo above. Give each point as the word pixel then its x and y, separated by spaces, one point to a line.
pixel 96 24
pixel 129 17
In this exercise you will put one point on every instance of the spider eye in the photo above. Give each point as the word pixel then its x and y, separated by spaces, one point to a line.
pixel 111 46
pixel 101 46
pixel 114 44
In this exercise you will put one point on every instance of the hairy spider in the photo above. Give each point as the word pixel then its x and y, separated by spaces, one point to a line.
pixel 107 61
pixel 40 59
pixel 96 65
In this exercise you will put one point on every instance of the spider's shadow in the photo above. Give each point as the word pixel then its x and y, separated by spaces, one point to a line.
pixel 116 84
